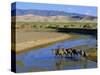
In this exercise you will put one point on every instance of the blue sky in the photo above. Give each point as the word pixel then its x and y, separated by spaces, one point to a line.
pixel 89 10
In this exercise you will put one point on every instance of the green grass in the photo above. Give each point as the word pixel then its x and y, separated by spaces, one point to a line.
pixel 90 25
pixel 92 54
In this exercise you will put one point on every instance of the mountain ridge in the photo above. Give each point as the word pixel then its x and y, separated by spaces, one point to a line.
pixel 49 15
pixel 47 12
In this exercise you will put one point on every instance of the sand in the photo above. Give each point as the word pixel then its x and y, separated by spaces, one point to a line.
pixel 26 40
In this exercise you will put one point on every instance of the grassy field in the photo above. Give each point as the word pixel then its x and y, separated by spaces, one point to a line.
pixel 92 54
pixel 54 25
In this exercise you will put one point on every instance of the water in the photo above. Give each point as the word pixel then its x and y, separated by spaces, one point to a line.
pixel 43 59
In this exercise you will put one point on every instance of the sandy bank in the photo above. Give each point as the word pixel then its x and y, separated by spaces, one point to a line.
pixel 35 39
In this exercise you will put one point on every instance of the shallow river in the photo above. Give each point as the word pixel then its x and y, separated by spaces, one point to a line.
pixel 43 59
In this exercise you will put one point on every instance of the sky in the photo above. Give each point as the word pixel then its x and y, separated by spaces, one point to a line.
pixel 88 10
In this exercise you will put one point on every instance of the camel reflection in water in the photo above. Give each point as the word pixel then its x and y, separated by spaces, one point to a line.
pixel 61 63
pixel 69 54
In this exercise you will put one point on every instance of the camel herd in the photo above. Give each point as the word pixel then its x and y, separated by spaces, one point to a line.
pixel 69 52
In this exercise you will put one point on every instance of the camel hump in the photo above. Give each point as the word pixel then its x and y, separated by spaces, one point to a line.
pixel 84 54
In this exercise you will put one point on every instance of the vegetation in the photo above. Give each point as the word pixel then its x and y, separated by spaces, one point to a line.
pixel 54 25
pixel 92 54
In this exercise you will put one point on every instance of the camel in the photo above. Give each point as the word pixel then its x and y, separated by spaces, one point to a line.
pixel 71 52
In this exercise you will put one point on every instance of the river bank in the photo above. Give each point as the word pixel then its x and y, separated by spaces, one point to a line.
pixel 28 40
pixel 92 54
pixel 26 60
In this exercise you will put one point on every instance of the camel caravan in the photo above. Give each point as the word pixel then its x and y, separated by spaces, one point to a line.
pixel 69 52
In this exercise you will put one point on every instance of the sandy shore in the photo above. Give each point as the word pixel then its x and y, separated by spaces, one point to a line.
pixel 29 40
